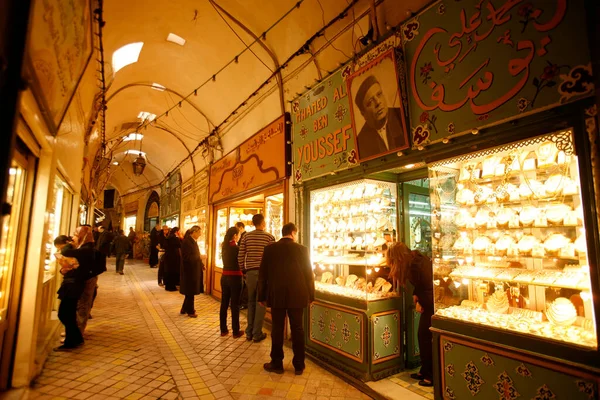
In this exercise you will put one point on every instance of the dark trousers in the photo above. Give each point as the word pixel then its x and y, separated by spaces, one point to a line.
pixel 426 345
pixel 188 305
pixel 120 261
pixel 231 288
pixel 67 314
pixel 295 316
pixel 161 270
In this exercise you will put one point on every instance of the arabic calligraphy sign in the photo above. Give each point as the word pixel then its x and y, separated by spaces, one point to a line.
pixel 60 46
pixel 322 129
pixel 256 162
pixel 473 63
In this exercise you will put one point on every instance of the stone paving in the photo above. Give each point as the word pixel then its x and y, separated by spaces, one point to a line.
pixel 138 346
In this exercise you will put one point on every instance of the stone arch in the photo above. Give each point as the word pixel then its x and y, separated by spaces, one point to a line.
pixel 152 213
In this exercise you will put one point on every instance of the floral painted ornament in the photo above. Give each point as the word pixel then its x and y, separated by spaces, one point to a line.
pixel 544 393
pixel 472 378
pixel 523 371
pixel 420 135
pixel 506 388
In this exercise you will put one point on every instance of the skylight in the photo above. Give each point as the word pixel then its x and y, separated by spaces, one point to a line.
pixel 135 152
pixel 126 55
pixel 133 136
pixel 158 86
pixel 146 116
pixel 175 39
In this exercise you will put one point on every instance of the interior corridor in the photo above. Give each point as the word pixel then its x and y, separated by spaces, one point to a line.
pixel 138 346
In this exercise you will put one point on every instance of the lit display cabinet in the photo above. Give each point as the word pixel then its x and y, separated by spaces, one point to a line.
pixel 355 323
pixel 511 268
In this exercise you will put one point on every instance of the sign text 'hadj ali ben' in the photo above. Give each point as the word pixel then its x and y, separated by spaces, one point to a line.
pixel 322 130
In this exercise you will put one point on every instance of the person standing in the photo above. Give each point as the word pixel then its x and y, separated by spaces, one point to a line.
pixel 192 282
pixel 244 296
pixel 414 267
pixel 154 242
pixel 84 239
pixel 231 283
pixel 250 255
pixel 172 260
pixel 131 237
pixel 121 245
pixel 241 230
pixel 162 244
pixel 286 284
pixel 104 241
pixel 71 289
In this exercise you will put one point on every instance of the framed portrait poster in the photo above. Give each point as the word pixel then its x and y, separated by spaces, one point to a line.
pixel 376 106
pixel 59 50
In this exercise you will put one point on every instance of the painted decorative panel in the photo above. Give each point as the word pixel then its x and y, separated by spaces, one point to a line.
pixel 337 329
pixel 258 161
pixel 487 373
pixel 322 129
pixel 475 63
pixel 387 336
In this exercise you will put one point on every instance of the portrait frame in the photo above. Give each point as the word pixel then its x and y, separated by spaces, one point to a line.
pixel 385 69
pixel 45 65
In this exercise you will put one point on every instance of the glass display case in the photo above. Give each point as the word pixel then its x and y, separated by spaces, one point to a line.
pixel 274 214
pixel 509 244
pixel 351 225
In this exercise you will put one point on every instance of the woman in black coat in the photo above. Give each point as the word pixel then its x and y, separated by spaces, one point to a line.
pixel 70 259
pixel 172 260
pixel 416 268
pixel 231 283
pixel 191 282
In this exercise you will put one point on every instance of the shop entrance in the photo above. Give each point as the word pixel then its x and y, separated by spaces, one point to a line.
pixel 12 255
pixel 270 204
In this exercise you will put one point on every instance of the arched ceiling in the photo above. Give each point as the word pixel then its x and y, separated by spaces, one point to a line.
pixel 213 39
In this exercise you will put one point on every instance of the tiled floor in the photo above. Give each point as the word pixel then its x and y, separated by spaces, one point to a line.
pixel 138 346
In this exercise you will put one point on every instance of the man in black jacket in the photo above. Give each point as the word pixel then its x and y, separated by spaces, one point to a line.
pixel 121 246
pixel 286 284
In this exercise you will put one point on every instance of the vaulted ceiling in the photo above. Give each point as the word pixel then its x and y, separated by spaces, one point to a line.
pixel 215 32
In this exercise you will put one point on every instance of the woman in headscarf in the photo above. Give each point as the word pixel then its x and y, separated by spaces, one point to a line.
pixel 71 288
pixel 172 260
pixel 231 283
pixel 84 240
pixel 414 267
pixel 192 282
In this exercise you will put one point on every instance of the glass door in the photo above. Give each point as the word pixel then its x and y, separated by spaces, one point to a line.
pixel 416 209
pixel 274 214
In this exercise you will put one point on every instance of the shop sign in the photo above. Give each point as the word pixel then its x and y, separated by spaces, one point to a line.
pixel 131 207
pixel 256 162
pixel 322 130
pixel 476 62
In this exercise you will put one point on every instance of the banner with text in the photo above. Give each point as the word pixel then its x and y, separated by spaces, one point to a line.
pixel 322 129
pixel 478 62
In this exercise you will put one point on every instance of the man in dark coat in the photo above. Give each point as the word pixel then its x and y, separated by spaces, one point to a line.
pixel 104 241
pixel 154 242
pixel 286 284
pixel 162 244
pixel 131 237
pixel 383 130
pixel 191 280
pixel 121 246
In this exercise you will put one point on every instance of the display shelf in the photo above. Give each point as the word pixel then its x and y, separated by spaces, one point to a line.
pixel 539 249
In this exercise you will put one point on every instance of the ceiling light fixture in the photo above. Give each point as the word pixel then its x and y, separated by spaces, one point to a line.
pixel 173 38
pixel 139 163
pixel 126 55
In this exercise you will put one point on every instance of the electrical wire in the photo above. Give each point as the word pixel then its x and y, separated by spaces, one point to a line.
pixel 240 38
pixel 324 34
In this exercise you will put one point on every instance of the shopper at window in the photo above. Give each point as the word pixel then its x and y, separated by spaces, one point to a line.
pixel 231 283
pixel 121 246
pixel 286 284
pixel 131 237
pixel 70 290
pixel 162 244
pixel 412 266
pixel 192 282
pixel 172 260
pixel 252 247
pixel 154 245
pixel 84 239
pixel 244 296
pixel 241 230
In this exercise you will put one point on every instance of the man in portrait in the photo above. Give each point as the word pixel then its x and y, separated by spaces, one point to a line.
pixel 383 129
